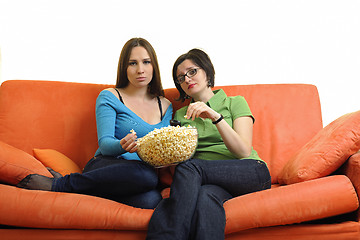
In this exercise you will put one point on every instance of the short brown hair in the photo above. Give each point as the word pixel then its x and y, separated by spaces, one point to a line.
pixel 155 86
pixel 200 59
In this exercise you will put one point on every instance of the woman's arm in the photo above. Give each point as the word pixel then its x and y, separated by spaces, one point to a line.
pixel 105 122
pixel 237 139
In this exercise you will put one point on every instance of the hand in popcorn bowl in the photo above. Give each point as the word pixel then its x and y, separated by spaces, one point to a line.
pixel 168 145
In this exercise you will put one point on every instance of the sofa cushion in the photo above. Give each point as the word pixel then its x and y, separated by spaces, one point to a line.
pixel 289 204
pixel 56 161
pixel 58 210
pixel 16 164
pixel 325 152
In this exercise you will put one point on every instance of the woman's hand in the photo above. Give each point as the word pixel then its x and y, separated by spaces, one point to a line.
pixel 128 143
pixel 200 109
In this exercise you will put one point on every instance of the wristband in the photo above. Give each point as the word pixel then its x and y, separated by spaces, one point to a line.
pixel 220 118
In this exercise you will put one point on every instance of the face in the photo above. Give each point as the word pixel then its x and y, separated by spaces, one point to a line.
pixel 140 69
pixel 195 84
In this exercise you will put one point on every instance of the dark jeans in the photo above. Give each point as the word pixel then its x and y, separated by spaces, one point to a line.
pixel 130 182
pixel 194 209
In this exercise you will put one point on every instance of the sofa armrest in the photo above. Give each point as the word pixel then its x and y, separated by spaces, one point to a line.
pixel 352 170
pixel 289 204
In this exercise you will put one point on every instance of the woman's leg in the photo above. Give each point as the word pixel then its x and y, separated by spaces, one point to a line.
pixel 209 217
pixel 169 221
pixel 121 180
pixel 147 200
pixel 172 217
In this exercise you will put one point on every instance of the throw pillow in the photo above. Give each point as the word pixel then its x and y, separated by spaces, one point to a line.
pixel 56 161
pixel 325 152
pixel 16 164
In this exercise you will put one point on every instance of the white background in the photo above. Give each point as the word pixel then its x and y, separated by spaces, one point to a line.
pixel 249 41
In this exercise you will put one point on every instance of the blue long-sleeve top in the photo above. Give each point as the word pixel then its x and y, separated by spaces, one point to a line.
pixel 114 121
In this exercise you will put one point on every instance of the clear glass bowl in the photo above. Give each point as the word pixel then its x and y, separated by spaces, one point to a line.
pixel 168 145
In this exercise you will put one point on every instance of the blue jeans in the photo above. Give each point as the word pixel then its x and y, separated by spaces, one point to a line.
pixel 130 182
pixel 194 209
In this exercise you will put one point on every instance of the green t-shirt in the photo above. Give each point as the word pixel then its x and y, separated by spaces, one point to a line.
pixel 210 144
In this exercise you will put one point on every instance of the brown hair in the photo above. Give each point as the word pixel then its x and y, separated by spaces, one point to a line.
pixel 200 59
pixel 155 86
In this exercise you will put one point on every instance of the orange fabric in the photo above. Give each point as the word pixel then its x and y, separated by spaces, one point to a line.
pixel 325 152
pixel 337 231
pixel 292 204
pixel 16 164
pixel 49 114
pixel 305 201
pixel 166 174
pixel 352 170
pixel 286 117
pixel 42 209
pixel 56 161
pixel 165 193
pixel 60 115
pixel 47 234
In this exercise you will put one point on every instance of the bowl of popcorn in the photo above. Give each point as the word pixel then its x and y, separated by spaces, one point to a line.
pixel 168 145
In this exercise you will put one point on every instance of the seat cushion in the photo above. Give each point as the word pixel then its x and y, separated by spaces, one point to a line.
pixel 58 210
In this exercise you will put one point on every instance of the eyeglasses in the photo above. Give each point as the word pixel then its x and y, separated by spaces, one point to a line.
pixel 181 78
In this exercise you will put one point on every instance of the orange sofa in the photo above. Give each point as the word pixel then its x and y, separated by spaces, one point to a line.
pixel 315 171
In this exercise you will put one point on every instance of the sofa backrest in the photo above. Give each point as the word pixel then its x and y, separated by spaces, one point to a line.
pixel 286 117
pixel 61 116
pixel 50 115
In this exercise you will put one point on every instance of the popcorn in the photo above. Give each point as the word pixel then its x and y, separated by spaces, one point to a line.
pixel 167 145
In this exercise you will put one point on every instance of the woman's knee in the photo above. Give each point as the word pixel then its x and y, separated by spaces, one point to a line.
pixel 152 199
pixel 212 194
pixel 191 166
pixel 149 180
pixel 147 200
